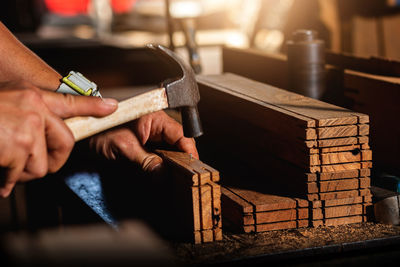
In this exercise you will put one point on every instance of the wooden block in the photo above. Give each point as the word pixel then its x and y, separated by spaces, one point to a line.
pixel 365 182
pixel 217 234
pixel 302 223
pixel 207 236
pixel 198 197
pixel 248 219
pixel 336 211
pixel 249 228
pixel 181 162
pixel 197 237
pixel 367 199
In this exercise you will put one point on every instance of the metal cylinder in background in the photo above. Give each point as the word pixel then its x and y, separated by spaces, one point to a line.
pixel 306 64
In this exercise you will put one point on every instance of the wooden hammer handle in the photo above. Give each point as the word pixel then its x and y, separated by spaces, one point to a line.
pixel 128 110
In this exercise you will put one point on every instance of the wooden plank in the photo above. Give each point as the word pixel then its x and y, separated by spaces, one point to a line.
pixel 206 211
pixel 272 69
pixel 215 99
pixel 232 199
pixel 196 209
pixel 336 211
pixel 339 185
pixel 351 147
pixel 346 174
pixel 323 113
pixel 196 195
pixel 336 202
pixel 265 202
pixel 339 194
pixel 338 141
pixel 335 185
pixel 342 131
pixel 278 216
pixel 340 157
pixel 341 167
pixel 275 226
pixel 337 221
pixel 216 207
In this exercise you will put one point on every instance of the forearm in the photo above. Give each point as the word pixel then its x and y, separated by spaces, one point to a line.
pixel 19 63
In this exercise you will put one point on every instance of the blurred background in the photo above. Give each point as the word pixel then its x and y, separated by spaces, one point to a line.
pixel 365 28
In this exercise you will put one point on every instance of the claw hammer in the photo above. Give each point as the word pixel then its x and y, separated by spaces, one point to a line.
pixel 180 93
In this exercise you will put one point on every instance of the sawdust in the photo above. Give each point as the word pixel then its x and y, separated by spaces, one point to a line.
pixel 237 246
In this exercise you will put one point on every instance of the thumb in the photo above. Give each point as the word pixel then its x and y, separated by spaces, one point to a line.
pixel 67 105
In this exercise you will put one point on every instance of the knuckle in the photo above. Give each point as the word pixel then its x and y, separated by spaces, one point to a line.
pixel 33 97
pixel 23 139
pixel 69 143
pixel 40 170
pixel 34 119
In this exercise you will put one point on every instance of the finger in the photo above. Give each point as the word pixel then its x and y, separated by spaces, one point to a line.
pixel 60 142
pixel 173 135
pixel 67 105
pixel 37 162
pixel 14 172
pixel 188 145
pixel 126 142
pixel 142 128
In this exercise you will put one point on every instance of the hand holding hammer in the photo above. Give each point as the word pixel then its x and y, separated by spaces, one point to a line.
pixel 180 93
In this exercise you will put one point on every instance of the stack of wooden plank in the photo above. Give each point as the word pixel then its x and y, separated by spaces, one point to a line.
pixel 315 151
pixel 251 211
pixel 196 197
pixel 349 83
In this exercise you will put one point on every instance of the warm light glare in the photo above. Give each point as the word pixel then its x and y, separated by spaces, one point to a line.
pixel 236 40
pixel 185 9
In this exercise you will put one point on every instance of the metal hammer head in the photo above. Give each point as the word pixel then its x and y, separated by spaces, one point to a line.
pixel 182 92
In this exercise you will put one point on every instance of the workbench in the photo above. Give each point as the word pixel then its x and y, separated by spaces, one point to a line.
pixel 130 195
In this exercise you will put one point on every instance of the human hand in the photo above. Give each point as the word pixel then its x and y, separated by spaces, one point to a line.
pixel 129 140
pixel 34 140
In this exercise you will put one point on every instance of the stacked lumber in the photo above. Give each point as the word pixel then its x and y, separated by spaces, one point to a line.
pixel 251 211
pixel 314 150
pixel 349 84
pixel 196 196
